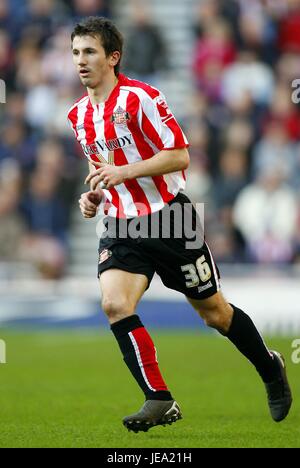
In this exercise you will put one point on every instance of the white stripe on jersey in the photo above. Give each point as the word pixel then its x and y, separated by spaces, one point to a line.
pixel 82 108
pixel 99 131
pixel 173 181
pixel 112 210
pixel 98 121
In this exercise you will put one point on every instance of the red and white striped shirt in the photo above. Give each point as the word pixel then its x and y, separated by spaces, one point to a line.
pixel 132 125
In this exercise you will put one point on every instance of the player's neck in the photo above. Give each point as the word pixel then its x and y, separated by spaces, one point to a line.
pixel 103 90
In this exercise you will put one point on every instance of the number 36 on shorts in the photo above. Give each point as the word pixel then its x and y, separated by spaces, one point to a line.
pixel 193 272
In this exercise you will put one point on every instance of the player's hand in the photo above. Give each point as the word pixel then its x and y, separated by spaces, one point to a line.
pixel 89 202
pixel 107 174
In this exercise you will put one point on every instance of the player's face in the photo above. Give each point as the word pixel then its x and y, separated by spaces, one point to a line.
pixel 90 60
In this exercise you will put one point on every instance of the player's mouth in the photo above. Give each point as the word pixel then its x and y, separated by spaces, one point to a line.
pixel 84 72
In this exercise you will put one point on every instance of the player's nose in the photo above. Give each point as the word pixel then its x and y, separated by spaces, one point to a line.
pixel 81 60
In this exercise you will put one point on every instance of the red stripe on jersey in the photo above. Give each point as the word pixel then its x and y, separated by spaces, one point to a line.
pixel 138 196
pixel 144 149
pixel 90 133
pixel 73 117
pixel 149 362
pixel 152 92
pixel 178 135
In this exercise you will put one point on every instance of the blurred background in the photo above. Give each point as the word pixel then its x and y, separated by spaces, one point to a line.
pixel 226 68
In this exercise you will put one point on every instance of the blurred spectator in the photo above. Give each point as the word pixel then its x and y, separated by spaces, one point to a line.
pixel 43 210
pixel 204 13
pixel 6 55
pixel 274 149
pixel 266 212
pixel 83 8
pixel 224 242
pixel 11 226
pixel 28 71
pixel 57 63
pixel 283 112
pixel 41 103
pixel 247 75
pixel 46 218
pixel 207 11
pixel 52 159
pixel 232 177
pixel 289 28
pixel 258 29
pixel 198 183
pixel 213 52
pixel 46 254
pixel 41 19
pixel 15 106
pixel 287 68
pixel 145 52
pixel 16 144
pixel 238 134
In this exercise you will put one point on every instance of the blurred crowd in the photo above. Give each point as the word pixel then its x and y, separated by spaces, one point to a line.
pixel 243 128
pixel 39 160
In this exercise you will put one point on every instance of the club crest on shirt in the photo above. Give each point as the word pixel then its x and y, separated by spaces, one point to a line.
pixel 120 116
pixel 104 255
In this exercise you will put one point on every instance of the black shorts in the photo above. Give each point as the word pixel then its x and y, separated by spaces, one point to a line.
pixel 191 271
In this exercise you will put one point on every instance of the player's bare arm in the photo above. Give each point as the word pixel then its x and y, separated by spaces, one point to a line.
pixel 89 201
pixel 164 162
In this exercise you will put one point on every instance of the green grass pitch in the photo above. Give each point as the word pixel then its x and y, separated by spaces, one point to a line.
pixel 71 389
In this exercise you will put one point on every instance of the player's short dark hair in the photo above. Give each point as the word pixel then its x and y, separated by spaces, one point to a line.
pixel 103 28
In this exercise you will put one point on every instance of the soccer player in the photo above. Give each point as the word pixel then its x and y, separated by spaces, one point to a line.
pixel 137 156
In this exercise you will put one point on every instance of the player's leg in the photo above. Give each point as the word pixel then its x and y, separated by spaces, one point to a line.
pixel 191 270
pixel 237 326
pixel 121 292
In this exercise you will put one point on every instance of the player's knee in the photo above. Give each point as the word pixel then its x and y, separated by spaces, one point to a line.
pixel 218 318
pixel 215 321
pixel 117 308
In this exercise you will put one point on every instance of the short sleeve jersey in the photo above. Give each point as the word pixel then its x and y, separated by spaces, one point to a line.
pixel 132 125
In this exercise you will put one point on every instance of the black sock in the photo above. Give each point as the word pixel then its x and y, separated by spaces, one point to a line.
pixel 139 354
pixel 244 335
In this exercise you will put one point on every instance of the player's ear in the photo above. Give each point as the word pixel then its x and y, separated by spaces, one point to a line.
pixel 114 58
